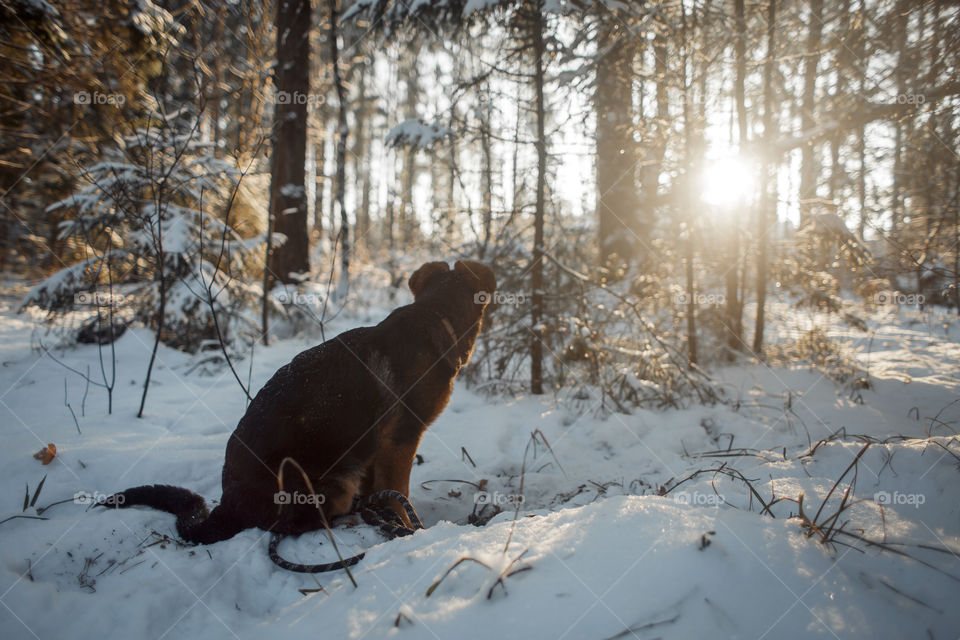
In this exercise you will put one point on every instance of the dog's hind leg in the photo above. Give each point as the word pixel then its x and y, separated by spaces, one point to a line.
pixel 334 499
pixel 338 496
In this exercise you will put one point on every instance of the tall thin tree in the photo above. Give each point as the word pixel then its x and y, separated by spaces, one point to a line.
pixel 767 182
pixel 341 153
pixel 734 306
pixel 536 313
pixel 288 194
pixel 617 201
pixel 809 167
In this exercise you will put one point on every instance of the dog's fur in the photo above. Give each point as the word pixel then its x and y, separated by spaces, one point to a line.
pixel 350 412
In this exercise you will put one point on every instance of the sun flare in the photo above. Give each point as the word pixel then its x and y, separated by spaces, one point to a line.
pixel 726 181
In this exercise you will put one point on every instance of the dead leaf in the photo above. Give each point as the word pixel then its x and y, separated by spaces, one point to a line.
pixel 47 454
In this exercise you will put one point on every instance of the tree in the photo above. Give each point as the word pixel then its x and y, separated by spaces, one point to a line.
pixel 288 195
pixel 767 182
pixel 72 74
pixel 534 17
pixel 901 19
pixel 734 320
pixel 688 224
pixel 617 199
pixel 144 220
pixel 340 180
pixel 809 167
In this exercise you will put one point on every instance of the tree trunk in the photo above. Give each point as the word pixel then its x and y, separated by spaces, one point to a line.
pixel 734 306
pixel 515 163
pixel 536 312
pixel 319 184
pixel 654 154
pixel 956 258
pixel 451 188
pixel 896 195
pixel 361 167
pixel 265 299
pixel 341 176
pixel 407 217
pixel 289 197
pixel 407 214
pixel 859 55
pixel 391 222
pixel 809 166
pixel 687 200
pixel 161 256
pixel 767 182
pixel 841 67
pixel 620 238
pixel 486 154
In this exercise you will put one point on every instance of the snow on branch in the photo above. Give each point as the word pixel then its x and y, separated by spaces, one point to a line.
pixel 417 134
pixel 864 114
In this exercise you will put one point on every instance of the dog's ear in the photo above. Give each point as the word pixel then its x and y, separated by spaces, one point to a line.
pixel 424 274
pixel 479 275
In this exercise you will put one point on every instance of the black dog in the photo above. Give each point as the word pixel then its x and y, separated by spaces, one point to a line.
pixel 350 412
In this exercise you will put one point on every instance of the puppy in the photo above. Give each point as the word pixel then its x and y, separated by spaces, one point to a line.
pixel 350 412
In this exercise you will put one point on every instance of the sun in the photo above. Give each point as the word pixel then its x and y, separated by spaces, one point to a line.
pixel 726 181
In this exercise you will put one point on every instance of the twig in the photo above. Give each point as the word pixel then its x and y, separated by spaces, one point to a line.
pixel 456 564
pixel 642 627
pixel 908 596
pixel 506 573
pixel 22 516
pixel 323 516
pixel 67 404
pixel 852 464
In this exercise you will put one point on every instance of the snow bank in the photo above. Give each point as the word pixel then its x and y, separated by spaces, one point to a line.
pixel 604 551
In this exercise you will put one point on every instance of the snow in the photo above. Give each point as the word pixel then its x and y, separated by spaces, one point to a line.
pixel 356 9
pixel 292 191
pixel 154 21
pixel 477 6
pixel 604 551
pixel 417 134
pixel 832 224
pixel 40 7
pixel 470 7
pixel 60 283
pixel 417 5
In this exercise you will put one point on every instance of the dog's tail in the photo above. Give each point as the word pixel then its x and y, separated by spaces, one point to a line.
pixel 194 523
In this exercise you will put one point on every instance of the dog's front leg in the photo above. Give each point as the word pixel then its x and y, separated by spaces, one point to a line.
pixel 392 471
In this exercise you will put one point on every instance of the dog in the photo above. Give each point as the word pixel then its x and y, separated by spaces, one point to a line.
pixel 350 412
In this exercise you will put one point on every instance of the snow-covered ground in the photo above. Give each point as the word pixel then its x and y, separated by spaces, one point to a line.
pixel 604 554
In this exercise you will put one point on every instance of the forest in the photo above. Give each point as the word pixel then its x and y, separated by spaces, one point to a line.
pixel 703 315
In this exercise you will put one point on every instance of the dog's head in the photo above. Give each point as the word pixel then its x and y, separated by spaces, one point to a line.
pixel 478 278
